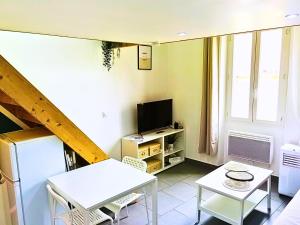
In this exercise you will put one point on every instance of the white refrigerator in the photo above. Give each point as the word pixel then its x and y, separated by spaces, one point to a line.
pixel 27 159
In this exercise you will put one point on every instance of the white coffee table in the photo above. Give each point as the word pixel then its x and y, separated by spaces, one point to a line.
pixel 229 205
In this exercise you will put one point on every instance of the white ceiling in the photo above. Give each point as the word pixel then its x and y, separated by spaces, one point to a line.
pixel 143 21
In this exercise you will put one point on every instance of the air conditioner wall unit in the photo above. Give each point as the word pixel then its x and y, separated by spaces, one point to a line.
pixel 289 171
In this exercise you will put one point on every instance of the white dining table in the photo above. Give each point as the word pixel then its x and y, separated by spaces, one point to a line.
pixel 93 186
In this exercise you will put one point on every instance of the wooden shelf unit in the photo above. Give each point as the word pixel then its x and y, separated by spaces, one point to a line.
pixel 131 144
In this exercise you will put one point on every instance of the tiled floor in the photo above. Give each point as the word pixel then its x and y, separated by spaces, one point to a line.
pixel 177 200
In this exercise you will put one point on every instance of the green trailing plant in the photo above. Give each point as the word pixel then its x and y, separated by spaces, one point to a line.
pixel 109 54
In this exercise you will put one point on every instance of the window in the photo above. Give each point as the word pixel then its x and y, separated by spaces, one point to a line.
pixel 257 67
pixel 268 75
pixel 241 75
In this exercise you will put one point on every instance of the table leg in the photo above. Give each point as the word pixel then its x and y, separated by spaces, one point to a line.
pixel 269 194
pixel 154 202
pixel 198 204
pixel 86 219
pixel 52 208
pixel 242 213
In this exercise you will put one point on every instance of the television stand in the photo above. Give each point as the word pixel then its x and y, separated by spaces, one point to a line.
pixel 140 148
pixel 160 131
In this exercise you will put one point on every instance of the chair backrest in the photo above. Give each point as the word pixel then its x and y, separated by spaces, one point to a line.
pixel 136 163
pixel 57 198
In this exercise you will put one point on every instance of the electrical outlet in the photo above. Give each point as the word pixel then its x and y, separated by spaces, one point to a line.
pixel 103 115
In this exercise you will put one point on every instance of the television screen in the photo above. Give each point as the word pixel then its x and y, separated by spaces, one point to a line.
pixel 154 115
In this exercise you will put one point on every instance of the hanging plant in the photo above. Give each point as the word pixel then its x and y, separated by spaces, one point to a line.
pixel 108 53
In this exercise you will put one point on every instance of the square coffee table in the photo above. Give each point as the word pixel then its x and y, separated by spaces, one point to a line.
pixel 230 205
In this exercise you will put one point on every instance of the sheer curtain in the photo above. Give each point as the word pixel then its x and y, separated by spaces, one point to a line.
pixel 209 114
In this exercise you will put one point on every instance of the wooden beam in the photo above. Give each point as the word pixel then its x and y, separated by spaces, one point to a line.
pixel 19 112
pixel 13 118
pixel 120 44
pixel 13 84
pixel 6 99
pixel 125 45
pixel 33 124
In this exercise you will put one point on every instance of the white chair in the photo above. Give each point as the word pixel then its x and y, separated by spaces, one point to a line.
pixel 123 202
pixel 72 216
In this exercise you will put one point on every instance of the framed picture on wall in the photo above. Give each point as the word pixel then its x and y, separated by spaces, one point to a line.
pixel 144 57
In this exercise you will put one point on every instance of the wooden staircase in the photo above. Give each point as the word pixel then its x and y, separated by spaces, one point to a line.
pixel 28 107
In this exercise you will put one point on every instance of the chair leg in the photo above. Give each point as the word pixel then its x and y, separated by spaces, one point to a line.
pixel 118 219
pixel 111 221
pixel 53 221
pixel 118 215
pixel 52 207
pixel 146 208
pixel 127 213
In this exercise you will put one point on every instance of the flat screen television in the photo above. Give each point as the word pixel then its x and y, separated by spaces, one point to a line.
pixel 154 115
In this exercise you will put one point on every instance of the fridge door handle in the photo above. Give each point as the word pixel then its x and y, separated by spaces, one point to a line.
pixel 5 177
pixel 2 180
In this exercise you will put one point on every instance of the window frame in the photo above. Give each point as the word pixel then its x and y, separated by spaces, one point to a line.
pixel 283 78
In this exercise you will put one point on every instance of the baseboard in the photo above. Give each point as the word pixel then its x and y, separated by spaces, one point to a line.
pixel 199 163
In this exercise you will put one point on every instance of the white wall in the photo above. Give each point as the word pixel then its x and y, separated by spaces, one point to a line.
pixel 179 78
pixel 185 78
pixel 70 73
